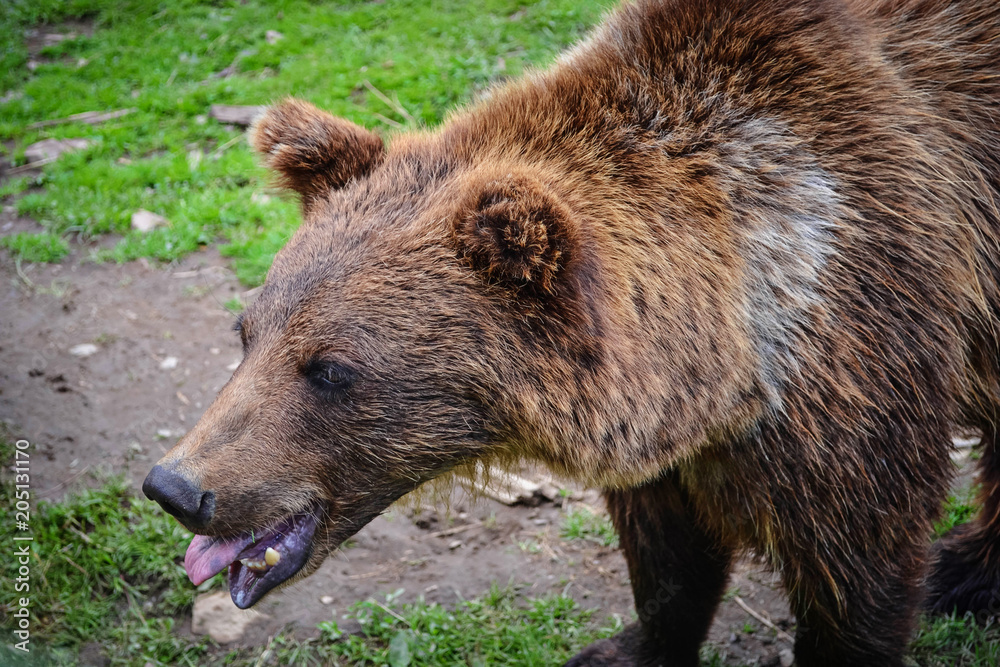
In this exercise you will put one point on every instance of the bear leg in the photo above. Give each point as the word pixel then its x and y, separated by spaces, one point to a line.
pixel 678 574
pixel 858 610
pixel 965 564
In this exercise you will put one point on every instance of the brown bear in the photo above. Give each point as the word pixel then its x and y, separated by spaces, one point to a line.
pixel 734 262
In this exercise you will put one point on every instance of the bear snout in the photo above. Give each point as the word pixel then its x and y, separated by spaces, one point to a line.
pixel 180 496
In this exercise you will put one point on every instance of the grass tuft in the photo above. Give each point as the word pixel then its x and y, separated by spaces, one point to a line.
pixel 582 524
pixel 499 628
pixel 956 642
pixel 959 508
pixel 28 247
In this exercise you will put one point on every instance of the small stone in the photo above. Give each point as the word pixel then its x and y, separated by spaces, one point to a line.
pixel 215 615
pixel 273 36
pixel 53 38
pixel 50 149
pixel 787 657
pixel 214 350
pixel 548 491
pixel 146 221
pixel 233 366
pixel 454 544
pixel 164 432
pixel 239 115
pixel 326 599
pixel 83 350
pixel 168 363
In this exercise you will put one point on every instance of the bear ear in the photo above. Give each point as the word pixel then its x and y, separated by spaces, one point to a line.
pixel 515 231
pixel 312 151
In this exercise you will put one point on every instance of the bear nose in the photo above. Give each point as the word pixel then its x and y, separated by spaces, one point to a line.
pixel 179 496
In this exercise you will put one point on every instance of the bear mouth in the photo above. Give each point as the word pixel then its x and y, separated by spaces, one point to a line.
pixel 257 560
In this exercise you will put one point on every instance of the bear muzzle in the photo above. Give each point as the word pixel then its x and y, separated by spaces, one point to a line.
pixel 180 496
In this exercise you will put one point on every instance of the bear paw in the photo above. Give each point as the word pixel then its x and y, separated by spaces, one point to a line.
pixel 629 648
pixel 961 580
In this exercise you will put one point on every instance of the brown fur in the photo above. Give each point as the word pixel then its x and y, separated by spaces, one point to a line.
pixel 313 151
pixel 735 262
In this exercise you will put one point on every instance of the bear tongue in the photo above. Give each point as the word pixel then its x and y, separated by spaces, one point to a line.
pixel 207 556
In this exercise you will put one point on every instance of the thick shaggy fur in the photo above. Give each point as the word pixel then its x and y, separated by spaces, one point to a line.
pixel 734 261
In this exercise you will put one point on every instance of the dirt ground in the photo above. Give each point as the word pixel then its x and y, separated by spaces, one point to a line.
pixel 164 347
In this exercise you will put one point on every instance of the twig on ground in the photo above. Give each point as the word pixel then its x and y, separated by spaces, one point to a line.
pixel 88 117
pixel 388 121
pixel 452 531
pixel 392 104
pixel 368 575
pixel 83 536
pixel 387 610
pixel 32 165
pixel 22 275
pixel 49 490
pixel 222 149
pixel 265 655
pixel 784 636
pixel 549 551
pixel 74 564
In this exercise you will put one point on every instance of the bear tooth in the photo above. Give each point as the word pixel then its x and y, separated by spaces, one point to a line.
pixel 271 556
pixel 255 565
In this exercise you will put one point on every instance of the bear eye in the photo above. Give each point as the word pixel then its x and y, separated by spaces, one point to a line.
pixel 329 376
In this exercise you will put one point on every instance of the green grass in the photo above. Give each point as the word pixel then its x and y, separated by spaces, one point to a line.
pixel 234 305
pixel 29 247
pixel 496 629
pixel 162 58
pixel 959 508
pixel 956 642
pixel 15 185
pixel 582 524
